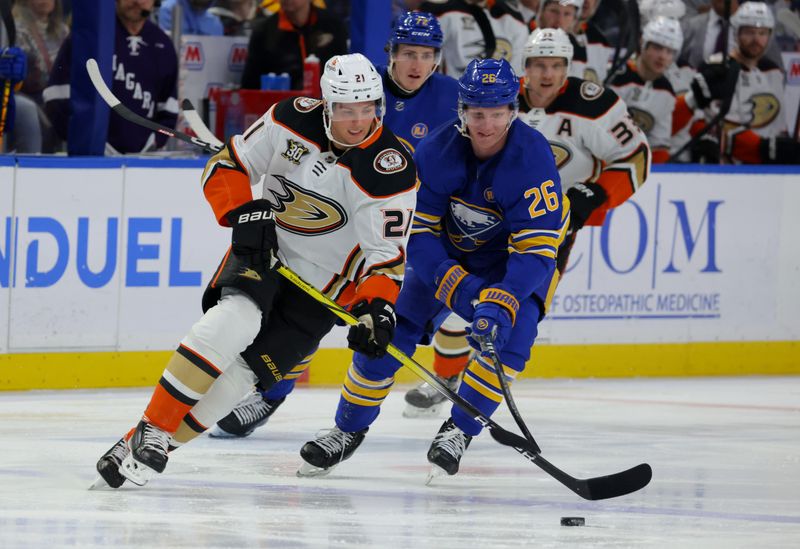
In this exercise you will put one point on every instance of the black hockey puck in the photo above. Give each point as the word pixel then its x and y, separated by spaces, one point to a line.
pixel 573 521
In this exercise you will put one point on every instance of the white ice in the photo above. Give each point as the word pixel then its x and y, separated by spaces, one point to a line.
pixel 725 454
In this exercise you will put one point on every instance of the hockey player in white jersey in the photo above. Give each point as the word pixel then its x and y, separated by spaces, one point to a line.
pixel 332 157
pixel 601 155
pixel 643 85
pixel 418 100
pixel 755 129
pixel 590 56
pixel 473 29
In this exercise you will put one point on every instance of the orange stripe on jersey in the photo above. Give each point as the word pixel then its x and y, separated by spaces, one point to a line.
pixel 621 181
pixel 681 116
pixel 377 286
pixel 660 156
pixel 228 185
pixel 745 147
pixel 372 138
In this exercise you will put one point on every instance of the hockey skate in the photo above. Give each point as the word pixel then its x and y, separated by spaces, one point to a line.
pixel 251 413
pixel 446 450
pixel 108 466
pixel 148 454
pixel 320 456
pixel 425 401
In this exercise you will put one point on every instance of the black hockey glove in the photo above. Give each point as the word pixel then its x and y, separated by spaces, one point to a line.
pixel 584 198
pixel 779 150
pixel 710 82
pixel 375 328
pixel 254 239
pixel 705 151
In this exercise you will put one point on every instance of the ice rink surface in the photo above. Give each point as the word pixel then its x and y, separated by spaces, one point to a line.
pixel 725 454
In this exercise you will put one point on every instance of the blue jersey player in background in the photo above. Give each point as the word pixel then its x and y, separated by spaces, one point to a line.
pixel 418 100
pixel 488 223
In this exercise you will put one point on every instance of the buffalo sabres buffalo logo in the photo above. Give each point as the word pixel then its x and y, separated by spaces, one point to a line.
pixel 643 119
pixel 419 130
pixel 294 151
pixel 561 154
pixel 765 108
pixel 306 104
pixel 389 161
pixel 301 211
pixel 469 226
pixel 502 49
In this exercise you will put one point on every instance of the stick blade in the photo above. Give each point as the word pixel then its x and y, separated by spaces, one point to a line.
pixel 618 484
pixel 99 83
pixel 507 438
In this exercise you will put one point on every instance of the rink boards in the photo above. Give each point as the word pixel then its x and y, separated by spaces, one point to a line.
pixel 103 261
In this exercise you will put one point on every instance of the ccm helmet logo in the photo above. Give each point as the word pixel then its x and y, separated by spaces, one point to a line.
pixel 255 216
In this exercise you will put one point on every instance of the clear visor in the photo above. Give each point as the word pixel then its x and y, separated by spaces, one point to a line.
pixel 478 116
pixel 409 56
pixel 365 110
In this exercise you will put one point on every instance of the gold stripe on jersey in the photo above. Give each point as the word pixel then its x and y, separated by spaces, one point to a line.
pixel 636 166
pixel 540 241
pixel 482 377
pixel 351 269
pixel 298 370
pixel 394 268
pixel 364 392
pixel 225 182
pixel 426 223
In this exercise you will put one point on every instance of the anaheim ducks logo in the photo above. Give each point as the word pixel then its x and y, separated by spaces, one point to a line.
pixel 561 154
pixel 389 161
pixel 765 109
pixel 247 272
pixel 306 104
pixel 643 119
pixel 591 90
pixel 590 75
pixel 301 211
pixel 502 49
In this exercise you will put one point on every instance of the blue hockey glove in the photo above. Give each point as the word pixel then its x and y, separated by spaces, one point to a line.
pixel 13 64
pixel 494 318
pixel 457 289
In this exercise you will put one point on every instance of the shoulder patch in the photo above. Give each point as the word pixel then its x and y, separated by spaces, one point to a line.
pixel 591 91
pixel 389 161
pixel 306 104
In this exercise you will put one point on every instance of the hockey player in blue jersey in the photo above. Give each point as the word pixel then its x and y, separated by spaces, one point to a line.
pixel 418 100
pixel 483 244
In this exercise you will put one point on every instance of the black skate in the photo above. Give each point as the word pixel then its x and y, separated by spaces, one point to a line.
pixel 149 446
pixel 251 413
pixel 425 401
pixel 320 456
pixel 446 450
pixel 108 466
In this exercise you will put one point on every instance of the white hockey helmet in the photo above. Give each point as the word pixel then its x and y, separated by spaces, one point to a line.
pixel 351 79
pixel 752 14
pixel 548 43
pixel 650 9
pixel 663 31
pixel 578 4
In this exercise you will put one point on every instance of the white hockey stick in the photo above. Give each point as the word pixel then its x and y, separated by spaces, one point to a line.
pixel 117 106
pixel 198 126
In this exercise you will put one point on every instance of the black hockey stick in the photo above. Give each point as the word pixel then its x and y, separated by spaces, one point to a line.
pixel 8 22
pixel 629 18
pixel 596 488
pixel 487 347
pixel 117 106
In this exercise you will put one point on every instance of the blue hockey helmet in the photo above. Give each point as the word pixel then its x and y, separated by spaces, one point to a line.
pixel 418 28
pixel 488 83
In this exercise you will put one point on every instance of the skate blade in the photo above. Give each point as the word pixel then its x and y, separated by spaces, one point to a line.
pixel 216 432
pixel 99 484
pixel 137 473
pixel 435 472
pixel 307 470
pixel 415 412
